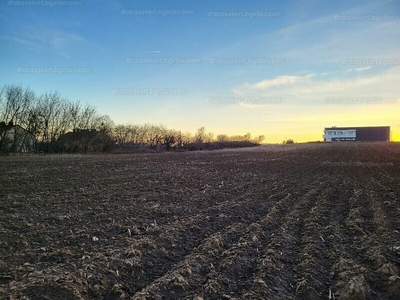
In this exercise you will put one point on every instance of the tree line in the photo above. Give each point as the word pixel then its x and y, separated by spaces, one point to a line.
pixel 56 124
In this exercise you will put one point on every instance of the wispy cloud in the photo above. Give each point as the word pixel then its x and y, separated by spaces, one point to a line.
pixel 282 81
pixel 41 39
pixel 25 42
pixel 363 69
pixel 317 87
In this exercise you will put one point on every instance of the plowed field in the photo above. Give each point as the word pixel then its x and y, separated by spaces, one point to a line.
pixel 276 222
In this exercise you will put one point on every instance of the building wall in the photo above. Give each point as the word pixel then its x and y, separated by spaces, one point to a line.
pixel 17 139
pixel 372 134
pixel 335 134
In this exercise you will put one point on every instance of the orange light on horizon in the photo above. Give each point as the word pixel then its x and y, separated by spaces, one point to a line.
pixel 395 136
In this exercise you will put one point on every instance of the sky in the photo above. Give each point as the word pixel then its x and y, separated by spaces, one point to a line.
pixel 285 70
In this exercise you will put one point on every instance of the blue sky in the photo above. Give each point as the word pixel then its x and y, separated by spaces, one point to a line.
pixel 327 62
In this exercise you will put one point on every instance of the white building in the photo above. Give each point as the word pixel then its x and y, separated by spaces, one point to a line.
pixel 339 134
pixel 365 134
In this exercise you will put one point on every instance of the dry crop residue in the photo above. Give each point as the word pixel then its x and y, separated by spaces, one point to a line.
pixel 275 222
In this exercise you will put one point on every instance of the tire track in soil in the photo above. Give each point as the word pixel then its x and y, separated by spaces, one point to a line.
pixel 347 270
pixel 204 263
pixel 380 248
pixel 313 280
pixel 350 277
pixel 237 264
pixel 292 174
pixel 389 199
pixel 177 239
pixel 274 277
pixel 359 258
pixel 143 255
pixel 166 258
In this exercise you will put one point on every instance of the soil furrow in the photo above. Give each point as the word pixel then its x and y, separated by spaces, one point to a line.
pixel 306 221
pixel 204 260
pixel 274 276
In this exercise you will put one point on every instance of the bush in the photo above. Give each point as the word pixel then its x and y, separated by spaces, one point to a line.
pixel 289 141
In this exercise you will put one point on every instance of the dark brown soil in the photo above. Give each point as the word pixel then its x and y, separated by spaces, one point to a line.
pixel 304 221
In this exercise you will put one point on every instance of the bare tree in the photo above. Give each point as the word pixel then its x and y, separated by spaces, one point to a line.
pixel 15 103
pixel 74 109
pixel 259 139
pixel 222 138
pixel 87 117
pixel 104 124
pixel 49 117
pixel 54 112
pixel 169 139
pixel 200 135
pixel 120 135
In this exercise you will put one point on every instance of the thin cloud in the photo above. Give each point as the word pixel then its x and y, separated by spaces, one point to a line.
pixel 58 42
pixel 317 87
pixel 278 81
pixel 363 69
